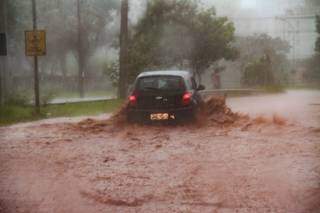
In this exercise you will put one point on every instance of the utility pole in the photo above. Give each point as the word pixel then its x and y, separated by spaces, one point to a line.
pixel 80 52
pixel 36 67
pixel 293 33
pixel 3 52
pixel 123 81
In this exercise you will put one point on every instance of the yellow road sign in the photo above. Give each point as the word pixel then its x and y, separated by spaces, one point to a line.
pixel 35 42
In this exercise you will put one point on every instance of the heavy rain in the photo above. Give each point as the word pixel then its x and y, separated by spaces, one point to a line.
pixel 159 106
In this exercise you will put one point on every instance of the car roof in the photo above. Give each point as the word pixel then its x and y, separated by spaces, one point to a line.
pixel 181 73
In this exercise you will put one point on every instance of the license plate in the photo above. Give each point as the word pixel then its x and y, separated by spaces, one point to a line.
pixel 159 116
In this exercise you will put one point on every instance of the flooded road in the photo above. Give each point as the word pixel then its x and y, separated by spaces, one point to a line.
pixel 298 106
pixel 261 165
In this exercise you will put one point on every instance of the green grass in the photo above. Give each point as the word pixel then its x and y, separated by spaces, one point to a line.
pixel 305 87
pixel 11 114
pixel 273 88
pixel 70 94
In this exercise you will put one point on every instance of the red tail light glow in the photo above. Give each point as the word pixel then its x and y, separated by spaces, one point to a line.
pixel 133 99
pixel 186 98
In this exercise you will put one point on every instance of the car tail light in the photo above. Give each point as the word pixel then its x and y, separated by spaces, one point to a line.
pixel 133 99
pixel 186 98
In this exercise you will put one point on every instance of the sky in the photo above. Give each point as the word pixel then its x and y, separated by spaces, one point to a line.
pixel 260 8
pixel 256 8
pixel 249 4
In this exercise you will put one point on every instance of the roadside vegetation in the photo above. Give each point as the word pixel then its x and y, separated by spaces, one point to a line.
pixel 276 88
pixel 13 113
pixel 315 86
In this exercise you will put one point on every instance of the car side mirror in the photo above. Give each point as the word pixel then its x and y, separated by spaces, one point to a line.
pixel 201 87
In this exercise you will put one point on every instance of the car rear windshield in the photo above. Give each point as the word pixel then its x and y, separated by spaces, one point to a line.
pixel 165 83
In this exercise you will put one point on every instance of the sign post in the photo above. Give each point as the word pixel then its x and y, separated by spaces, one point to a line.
pixel 35 46
pixel 36 68
pixel 35 42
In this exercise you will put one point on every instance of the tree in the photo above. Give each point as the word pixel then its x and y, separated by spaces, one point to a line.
pixel 263 59
pixel 92 16
pixel 179 33
pixel 317 48
pixel 123 49
pixel 81 53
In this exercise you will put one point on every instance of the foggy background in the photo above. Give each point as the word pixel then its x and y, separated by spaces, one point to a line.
pixel 292 21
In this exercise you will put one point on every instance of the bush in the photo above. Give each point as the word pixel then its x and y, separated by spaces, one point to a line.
pixel 258 73
pixel 46 96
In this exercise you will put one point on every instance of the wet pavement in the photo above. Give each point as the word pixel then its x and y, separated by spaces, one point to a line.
pixel 268 163
pixel 298 106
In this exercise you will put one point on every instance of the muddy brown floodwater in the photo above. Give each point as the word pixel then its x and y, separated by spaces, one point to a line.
pixel 268 161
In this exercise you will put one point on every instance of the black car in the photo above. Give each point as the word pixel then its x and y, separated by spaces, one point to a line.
pixel 164 96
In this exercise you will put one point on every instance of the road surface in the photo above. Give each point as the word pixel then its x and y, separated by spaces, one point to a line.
pixel 271 164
